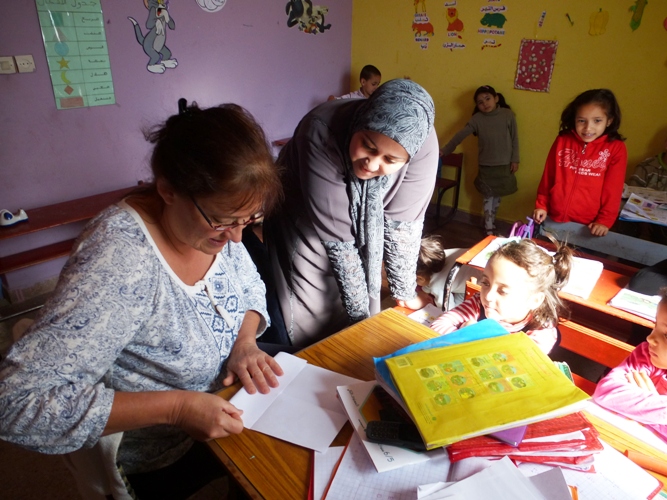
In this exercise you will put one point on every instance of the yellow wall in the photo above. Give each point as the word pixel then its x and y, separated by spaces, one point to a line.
pixel 632 64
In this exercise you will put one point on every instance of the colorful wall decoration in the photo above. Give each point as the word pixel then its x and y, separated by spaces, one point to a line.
pixel 307 17
pixel 535 65
pixel 77 54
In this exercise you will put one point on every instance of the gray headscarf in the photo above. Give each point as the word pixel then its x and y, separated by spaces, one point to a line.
pixel 403 111
pixel 400 109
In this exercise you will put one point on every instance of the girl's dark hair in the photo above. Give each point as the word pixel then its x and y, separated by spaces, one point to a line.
pixel 488 89
pixel 604 98
pixel 431 256
pixel 220 150
pixel 549 274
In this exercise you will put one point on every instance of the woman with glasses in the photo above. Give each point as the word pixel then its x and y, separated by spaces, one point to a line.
pixel 157 307
pixel 359 176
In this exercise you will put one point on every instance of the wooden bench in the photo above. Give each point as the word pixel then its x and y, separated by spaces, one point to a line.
pixel 48 217
pixel 586 342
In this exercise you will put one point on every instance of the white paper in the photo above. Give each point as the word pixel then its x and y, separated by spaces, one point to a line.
pixel 357 479
pixel 500 481
pixel 644 192
pixel 426 315
pixel 324 464
pixel 483 257
pixel 303 410
pixel 642 305
pixel 383 457
pixel 615 478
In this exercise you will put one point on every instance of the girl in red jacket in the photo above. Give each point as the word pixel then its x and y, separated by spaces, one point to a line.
pixel 585 170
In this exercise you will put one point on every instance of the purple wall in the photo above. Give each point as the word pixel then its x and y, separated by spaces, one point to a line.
pixel 245 53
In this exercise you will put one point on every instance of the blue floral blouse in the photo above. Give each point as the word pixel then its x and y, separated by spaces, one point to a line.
pixel 120 319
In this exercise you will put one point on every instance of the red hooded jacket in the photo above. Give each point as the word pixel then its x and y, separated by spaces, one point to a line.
pixel 583 182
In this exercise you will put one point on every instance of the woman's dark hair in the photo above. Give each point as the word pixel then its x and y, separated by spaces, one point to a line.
pixel 488 89
pixel 549 274
pixel 604 98
pixel 218 150
pixel 431 258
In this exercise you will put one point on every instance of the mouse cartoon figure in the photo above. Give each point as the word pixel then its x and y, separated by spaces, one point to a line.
pixel 154 42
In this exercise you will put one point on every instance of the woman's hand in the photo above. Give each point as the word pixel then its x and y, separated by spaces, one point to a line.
pixel 598 229
pixel 206 416
pixel 514 166
pixel 254 368
pixel 539 215
pixel 641 380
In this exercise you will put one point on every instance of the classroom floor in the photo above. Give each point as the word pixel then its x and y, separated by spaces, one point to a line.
pixel 32 475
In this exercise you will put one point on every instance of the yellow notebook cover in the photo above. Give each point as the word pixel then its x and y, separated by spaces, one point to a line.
pixel 470 389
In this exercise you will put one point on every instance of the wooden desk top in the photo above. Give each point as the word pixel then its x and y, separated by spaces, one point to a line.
pixel 272 469
pixel 268 468
pixel 614 277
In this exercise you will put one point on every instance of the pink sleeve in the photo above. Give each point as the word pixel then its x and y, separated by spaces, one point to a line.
pixel 452 320
pixel 615 393
pixel 545 338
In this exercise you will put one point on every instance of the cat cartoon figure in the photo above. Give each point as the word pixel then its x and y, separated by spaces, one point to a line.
pixel 154 42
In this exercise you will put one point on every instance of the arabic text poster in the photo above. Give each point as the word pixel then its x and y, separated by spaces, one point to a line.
pixel 77 54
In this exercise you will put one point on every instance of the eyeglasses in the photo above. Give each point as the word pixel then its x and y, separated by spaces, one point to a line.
pixel 227 227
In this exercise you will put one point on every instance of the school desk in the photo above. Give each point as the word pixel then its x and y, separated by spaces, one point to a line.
pixel 593 311
pixel 268 468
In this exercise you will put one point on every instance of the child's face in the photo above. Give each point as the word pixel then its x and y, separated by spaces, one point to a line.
pixel 423 280
pixel 657 340
pixel 591 121
pixel 369 86
pixel 508 291
pixel 486 102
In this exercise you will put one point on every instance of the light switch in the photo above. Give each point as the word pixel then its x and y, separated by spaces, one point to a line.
pixel 25 64
pixel 7 65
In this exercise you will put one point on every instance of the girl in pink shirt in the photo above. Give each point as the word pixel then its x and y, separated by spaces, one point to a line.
pixel 637 388
pixel 520 288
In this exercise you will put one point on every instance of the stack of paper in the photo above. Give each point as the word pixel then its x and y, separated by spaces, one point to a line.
pixel 570 441
pixel 639 209
pixel 645 306
pixel 467 390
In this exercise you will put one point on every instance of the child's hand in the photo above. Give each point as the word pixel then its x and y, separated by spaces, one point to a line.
pixel 641 380
pixel 468 323
pixel 598 229
pixel 539 215
pixel 514 167
pixel 421 300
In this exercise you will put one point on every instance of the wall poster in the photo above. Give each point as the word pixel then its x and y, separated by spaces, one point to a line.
pixel 76 52
pixel 535 65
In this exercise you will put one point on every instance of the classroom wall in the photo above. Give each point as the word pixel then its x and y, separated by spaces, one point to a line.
pixel 631 63
pixel 244 53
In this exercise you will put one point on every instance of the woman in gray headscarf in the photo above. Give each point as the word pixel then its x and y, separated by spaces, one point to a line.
pixel 359 175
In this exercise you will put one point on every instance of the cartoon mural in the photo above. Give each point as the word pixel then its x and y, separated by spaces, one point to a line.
pixel 493 20
pixel 154 41
pixel 598 22
pixel 307 17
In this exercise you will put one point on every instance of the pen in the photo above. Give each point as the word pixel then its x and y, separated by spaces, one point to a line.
pixel 648 463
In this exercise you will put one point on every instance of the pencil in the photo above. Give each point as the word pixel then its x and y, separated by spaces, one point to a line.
pixel 648 463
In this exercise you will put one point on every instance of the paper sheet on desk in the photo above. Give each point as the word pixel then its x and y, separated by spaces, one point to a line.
pixel 302 410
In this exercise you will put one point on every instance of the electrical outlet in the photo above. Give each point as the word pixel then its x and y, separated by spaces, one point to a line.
pixel 25 64
pixel 7 65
